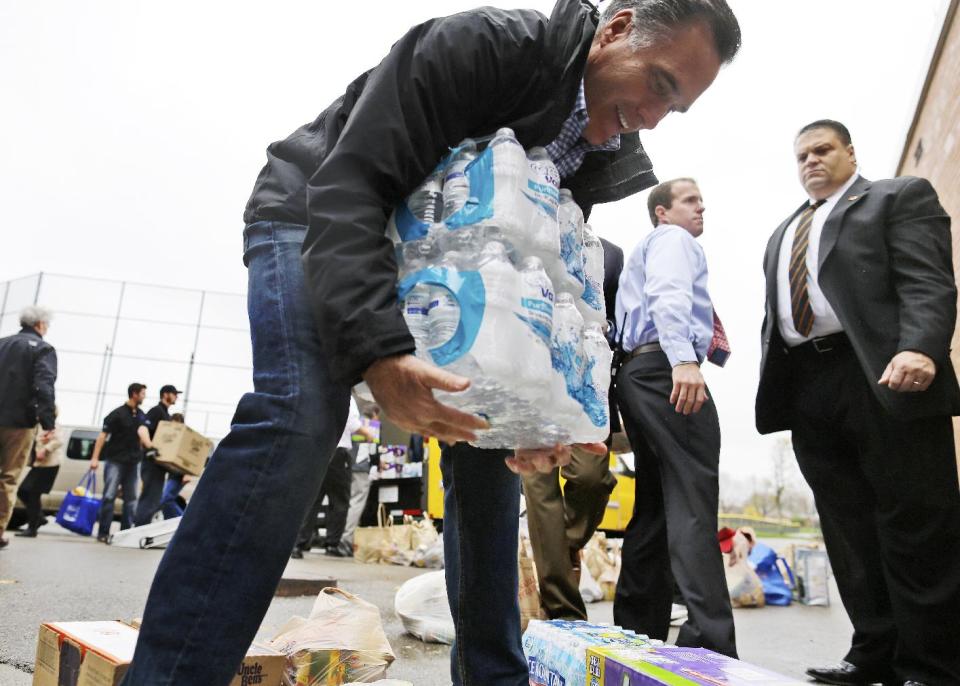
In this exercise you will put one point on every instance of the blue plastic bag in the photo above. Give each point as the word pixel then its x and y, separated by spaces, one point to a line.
pixel 78 513
pixel 775 574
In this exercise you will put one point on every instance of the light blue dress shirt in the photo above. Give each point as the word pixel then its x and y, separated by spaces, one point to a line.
pixel 663 295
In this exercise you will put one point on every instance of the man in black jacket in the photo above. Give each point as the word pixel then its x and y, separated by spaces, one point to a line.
pixel 321 323
pixel 861 307
pixel 28 370
pixel 152 474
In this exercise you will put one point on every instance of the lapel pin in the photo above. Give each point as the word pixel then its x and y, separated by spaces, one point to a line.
pixel 853 197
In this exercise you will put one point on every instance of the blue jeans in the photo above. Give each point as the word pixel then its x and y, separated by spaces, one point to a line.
pixel 152 477
pixel 127 478
pixel 217 578
pixel 171 489
pixel 481 508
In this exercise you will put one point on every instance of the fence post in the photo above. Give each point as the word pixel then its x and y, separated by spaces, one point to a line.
pixel 193 354
pixel 112 347
pixel 36 293
pixel 96 397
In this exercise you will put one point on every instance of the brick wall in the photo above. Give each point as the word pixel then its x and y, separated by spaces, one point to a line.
pixel 933 146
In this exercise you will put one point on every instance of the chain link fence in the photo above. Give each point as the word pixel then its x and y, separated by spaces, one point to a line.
pixel 111 333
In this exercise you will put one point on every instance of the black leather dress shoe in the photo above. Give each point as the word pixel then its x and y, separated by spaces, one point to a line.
pixel 847 673
pixel 27 533
pixel 913 683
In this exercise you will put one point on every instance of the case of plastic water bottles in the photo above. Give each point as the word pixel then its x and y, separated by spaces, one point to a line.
pixel 556 650
pixel 501 281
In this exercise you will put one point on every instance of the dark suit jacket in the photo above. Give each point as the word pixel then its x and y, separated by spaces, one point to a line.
pixel 886 268
pixel 612 266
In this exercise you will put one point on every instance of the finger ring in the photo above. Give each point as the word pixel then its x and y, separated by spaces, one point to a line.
pixel 916 383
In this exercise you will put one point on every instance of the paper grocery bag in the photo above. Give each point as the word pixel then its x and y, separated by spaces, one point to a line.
pixel 370 542
pixel 528 592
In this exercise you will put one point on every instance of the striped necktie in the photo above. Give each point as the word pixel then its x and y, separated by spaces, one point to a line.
pixel 799 297
pixel 719 349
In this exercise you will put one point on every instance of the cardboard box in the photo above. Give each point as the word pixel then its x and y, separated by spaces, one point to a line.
pixel 620 666
pixel 261 666
pixel 83 653
pixel 556 649
pixel 181 447
pixel 99 653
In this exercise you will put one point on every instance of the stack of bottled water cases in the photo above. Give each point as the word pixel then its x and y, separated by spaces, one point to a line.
pixel 501 281
pixel 556 650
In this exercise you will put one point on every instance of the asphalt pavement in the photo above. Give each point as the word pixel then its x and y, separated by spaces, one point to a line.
pixel 62 576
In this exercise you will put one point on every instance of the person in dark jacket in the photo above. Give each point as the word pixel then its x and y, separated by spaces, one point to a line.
pixel 45 458
pixel 324 315
pixel 28 371
pixel 153 474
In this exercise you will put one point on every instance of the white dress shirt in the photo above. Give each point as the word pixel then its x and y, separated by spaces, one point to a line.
pixel 825 320
pixel 353 423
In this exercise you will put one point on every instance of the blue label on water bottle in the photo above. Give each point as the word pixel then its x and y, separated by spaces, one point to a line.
pixel 409 227
pixel 479 205
pixel 467 289
pixel 577 373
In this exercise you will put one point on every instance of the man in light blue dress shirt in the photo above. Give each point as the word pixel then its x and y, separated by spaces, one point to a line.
pixel 671 421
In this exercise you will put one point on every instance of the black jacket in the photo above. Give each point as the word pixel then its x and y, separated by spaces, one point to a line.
pixel 886 268
pixel 446 79
pixel 28 370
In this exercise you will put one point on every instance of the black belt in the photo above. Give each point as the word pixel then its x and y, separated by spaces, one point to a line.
pixel 645 348
pixel 821 345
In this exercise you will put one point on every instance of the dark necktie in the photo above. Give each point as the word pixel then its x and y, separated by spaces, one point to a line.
pixel 799 297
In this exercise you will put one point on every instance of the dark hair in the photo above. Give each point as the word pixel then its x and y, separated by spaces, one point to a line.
pixel 655 19
pixel 134 388
pixel 662 195
pixel 177 417
pixel 842 132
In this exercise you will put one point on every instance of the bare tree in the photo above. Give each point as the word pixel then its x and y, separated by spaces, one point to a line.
pixel 783 471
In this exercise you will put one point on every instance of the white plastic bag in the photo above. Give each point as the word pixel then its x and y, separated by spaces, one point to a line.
pixel 429 556
pixel 745 587
pixel 590 590
pixel 421 604
pixel 341 641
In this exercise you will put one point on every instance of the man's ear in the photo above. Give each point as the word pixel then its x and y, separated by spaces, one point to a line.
pixel 852 153
pixel 661 213
pixel 618 28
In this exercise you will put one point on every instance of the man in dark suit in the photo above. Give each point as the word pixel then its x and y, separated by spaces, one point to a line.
pixel 562 522
pixel 860 310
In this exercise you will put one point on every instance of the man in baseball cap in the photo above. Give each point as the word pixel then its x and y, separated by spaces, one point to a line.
pixel 152 474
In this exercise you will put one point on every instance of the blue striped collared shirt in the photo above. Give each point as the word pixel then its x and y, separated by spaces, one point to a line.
pixel 569 148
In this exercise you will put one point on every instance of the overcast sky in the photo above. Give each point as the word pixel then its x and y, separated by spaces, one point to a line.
pixel 131 133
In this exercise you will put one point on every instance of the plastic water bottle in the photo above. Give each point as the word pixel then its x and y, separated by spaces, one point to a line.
pixel 498 332
pixel 426 202
pixel 571 240
pixel 543 191
pixel 462 245
pixel 509 177
pixel 456 185
pixel 443 317
pixel 413 257
pixel 592 306
pixel 566 356
pixel 596 383
pixel 536 299
pixel 536 313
